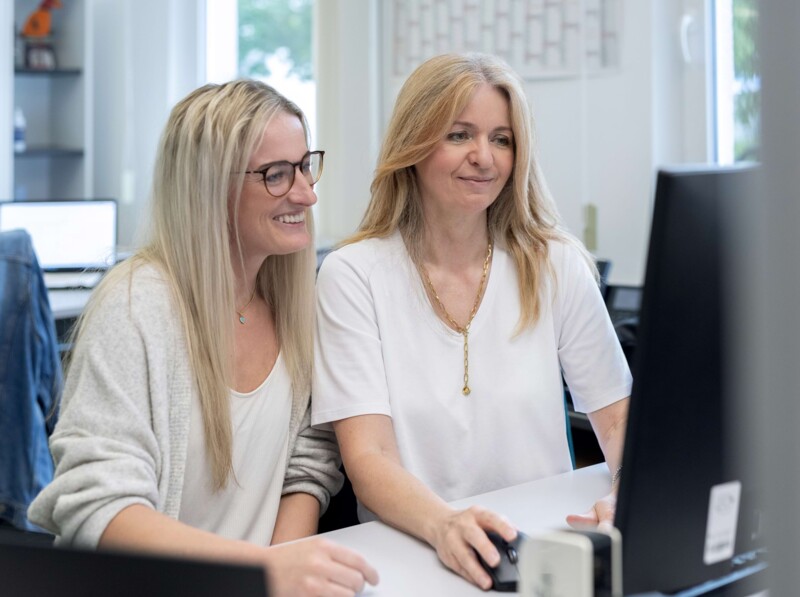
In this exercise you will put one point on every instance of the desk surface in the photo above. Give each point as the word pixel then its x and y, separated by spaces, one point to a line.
pixel 410 567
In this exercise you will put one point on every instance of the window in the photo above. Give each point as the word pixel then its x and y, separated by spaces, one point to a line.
pixel 268 40
pixel 737 82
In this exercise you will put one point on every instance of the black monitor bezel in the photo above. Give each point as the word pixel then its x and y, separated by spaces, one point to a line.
pixel 679 440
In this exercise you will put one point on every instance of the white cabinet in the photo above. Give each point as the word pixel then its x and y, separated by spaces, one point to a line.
pixel 57 104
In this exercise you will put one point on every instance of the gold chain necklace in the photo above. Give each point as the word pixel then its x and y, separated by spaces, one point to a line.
pixel 463 330
pixel 240 312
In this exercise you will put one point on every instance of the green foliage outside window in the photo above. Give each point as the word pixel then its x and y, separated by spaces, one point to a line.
pixel 270 26
pixel 747 103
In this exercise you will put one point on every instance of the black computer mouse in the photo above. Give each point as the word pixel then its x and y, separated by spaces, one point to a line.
pixel 504 575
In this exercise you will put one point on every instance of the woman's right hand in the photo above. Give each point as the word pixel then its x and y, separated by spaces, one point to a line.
pixel 316 567
pixel 458 535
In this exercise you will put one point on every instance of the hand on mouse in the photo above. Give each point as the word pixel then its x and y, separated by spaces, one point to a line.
pixel 601 516
pixel 457 534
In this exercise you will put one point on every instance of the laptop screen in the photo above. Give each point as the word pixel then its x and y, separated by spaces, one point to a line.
pixel 67 235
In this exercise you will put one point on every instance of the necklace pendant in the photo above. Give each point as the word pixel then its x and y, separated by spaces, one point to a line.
pixel 465 390
pixel 242 319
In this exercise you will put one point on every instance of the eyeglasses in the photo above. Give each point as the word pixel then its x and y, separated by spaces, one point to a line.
pixel 279 176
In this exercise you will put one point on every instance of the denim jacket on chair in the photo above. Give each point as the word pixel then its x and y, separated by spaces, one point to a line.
pixel 30 378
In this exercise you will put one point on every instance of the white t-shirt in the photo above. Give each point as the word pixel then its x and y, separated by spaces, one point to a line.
pixel 381 349
pixel 247 507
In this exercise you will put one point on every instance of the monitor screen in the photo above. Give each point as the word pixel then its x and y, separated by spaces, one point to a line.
pixel 626 298
pixel 30 569
pixel 66 235
pixel 686 506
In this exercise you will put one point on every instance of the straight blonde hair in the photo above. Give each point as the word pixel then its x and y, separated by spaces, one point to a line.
pixel 523 217
pixel 199 173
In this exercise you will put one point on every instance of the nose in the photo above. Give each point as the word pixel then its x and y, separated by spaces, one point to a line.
pixel 481 152
pixel 301 193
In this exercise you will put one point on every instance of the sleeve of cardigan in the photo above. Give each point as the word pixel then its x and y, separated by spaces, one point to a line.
pixel 105 448
pixel 314 464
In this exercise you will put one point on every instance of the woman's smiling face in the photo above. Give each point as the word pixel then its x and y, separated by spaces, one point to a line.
pixel 471 165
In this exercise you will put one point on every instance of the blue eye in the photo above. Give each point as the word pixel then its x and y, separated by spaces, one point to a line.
pixel 502 141
pixel 274 176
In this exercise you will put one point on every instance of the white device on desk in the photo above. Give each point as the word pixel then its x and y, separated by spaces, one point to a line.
pixel 573 563
pixel 74 240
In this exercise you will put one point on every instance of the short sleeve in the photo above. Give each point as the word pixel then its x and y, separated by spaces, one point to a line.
pixel 591 358
pixel 349 373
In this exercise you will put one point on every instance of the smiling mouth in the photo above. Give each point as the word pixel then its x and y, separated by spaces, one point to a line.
pixel 291 218
pixel 479 180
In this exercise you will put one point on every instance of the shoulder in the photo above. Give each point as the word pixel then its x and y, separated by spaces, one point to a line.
pixel 568 257
pixel 364 258
pixel 135 293
pixel 136 285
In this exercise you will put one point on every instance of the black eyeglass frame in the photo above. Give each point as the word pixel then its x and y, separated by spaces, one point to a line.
pixel 294 166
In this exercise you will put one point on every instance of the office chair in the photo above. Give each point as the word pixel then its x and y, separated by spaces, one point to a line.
pixel 30 380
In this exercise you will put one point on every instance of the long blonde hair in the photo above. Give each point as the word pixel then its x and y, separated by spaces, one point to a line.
pixel 202 155
pixel 523 217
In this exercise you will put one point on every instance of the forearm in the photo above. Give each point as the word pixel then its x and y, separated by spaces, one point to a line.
pixel 298 516
pixel 292 569
pixel 139 528
pixel 609 424
pixel 396 496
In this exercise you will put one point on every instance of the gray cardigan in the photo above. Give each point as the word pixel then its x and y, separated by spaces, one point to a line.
pixel 124 423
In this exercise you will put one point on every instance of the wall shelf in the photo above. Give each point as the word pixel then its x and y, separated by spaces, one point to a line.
pixel 37 72
pixel 56 103
pixel 52 152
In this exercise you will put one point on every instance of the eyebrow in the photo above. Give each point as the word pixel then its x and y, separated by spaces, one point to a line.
pixel 472 126
pixel 269 164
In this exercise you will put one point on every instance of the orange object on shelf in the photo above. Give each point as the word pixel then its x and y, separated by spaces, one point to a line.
pixel 39 22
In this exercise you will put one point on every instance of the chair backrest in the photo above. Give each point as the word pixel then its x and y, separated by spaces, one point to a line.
pixel 30 378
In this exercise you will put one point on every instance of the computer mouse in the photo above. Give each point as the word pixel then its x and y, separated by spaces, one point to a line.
pixel 505 575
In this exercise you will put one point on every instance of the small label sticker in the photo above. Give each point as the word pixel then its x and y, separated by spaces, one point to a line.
pixel 723 514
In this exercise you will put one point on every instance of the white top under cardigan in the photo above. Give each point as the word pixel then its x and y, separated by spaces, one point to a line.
pixel 381 349
pixel 247 507
pixel 122 433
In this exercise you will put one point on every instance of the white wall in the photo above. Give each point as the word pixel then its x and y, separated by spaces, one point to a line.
pixel 600 138
pixel 596 145
pixel 349 121
pixel 149 55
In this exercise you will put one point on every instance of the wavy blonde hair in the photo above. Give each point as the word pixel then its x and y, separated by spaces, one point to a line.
pixel 199 173
pixel 523 217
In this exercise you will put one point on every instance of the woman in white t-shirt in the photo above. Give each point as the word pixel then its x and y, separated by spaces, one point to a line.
pixel 445 323
pixel 184 427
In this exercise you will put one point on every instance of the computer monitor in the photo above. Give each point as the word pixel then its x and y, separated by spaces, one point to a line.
pixel 686 505
pixel 67 235
pixel 27 569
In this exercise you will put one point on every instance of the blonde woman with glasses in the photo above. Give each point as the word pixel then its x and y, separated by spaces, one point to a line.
pixel 184 426
pixel 445 323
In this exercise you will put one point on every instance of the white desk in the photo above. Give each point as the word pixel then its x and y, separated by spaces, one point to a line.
pixel 67 303
pixel 410 567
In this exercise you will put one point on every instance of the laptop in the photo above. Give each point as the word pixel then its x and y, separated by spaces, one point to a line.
pixel 27 569
pixel 75 240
